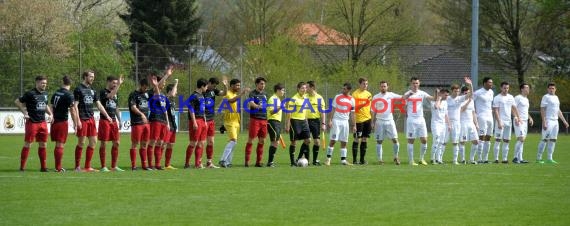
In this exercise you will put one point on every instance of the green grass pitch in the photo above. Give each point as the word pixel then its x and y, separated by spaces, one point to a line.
pixel 529 194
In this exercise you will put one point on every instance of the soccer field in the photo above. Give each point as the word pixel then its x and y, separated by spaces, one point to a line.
pixel 490 194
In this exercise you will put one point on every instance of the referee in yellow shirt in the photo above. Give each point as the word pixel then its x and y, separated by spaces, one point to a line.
pixel 363 99
pixel 296 124
pixel 274 114
pixel 316 119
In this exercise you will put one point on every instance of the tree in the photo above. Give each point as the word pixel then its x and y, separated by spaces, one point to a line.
pixel 158 26
pixel 370 23
pixel 39 23
pixel 259 20
pixel 556 44
pixel 512 30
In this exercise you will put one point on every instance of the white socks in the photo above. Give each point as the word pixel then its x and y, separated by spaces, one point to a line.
pixel 379 151
pixel 550 148
pixel 505 151
pixel 496 149
pixel 228 152
pixel 410 153
pixel 541 146
pixel 343 152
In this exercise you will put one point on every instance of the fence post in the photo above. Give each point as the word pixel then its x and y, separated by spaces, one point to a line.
pixel 136 62
pixel 242 82
pixel 80 59
pixel 21 68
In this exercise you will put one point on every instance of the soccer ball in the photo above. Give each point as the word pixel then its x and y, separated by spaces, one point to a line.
pixel 302 162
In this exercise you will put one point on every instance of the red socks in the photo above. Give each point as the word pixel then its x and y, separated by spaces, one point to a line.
pixel 88 157
pixel 133 155
pixel 157 156
pixel 168 156
pixel 42 153
pixel 102 155
pixel 198 157
pixel 78 152
pixel 114 156
pixel 248 153
pixel 259 154
pixel 189 150
pixel 143 154
pixel 24 157
pixel 210 152
pixel 58 154
pixel 149 153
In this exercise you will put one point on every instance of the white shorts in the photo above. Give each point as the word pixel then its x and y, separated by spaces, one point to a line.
pixel 522 129
pixel 439 133
pixel 339 130
pixel 455 133
pixel 504 133
pixel 385 129
pixel 468 132
pixel 551 131
pixel 416 127
pixel 485 126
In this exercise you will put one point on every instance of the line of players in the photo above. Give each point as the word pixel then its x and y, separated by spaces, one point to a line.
pixel 455 118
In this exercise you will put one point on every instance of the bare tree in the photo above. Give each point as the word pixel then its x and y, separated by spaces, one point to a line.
pixel 370 23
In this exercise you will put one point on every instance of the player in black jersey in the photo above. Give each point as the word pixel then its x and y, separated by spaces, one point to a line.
pixel 109 129
pixel 140 129
pixel 257 121
pixel 196 125
pixel 33 104
pixel 210 98
pixel 85 98
pixel 61 104
pixel 170 138
pixel 159 125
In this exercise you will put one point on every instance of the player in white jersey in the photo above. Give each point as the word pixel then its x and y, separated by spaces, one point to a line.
pixel 415 122
pixel 343 112
pixel 549 112
pixel 385 128
pixel 454 102
pixel 503 108
pixel 440 126
pixel 522 103
pixel 469 126
pixel 483 99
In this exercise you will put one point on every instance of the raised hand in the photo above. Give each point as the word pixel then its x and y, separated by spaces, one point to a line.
pixel 468 80
pixel 169 70
pixel 121 79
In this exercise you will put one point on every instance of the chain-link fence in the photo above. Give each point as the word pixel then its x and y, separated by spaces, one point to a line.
pixel 20 64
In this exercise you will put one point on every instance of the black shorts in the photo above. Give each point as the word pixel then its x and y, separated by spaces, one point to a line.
pixel 315 127
pixel 363 129
pixel 299 130
pixel 274 130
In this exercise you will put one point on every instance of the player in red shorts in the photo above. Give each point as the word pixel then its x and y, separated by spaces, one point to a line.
pixel 109 129
pixel 140 129
pixel 210 98
pixel 196 124
pixel 257 121
pixel 33 104
pixel 170 138
pixel 159 125
pixel 61 104
pixel 85 97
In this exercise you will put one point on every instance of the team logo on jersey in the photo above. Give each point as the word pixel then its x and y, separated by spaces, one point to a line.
pixel 88 99
pixel 146 95
pixel 144 104
pixel 111 104
pixel 41 106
